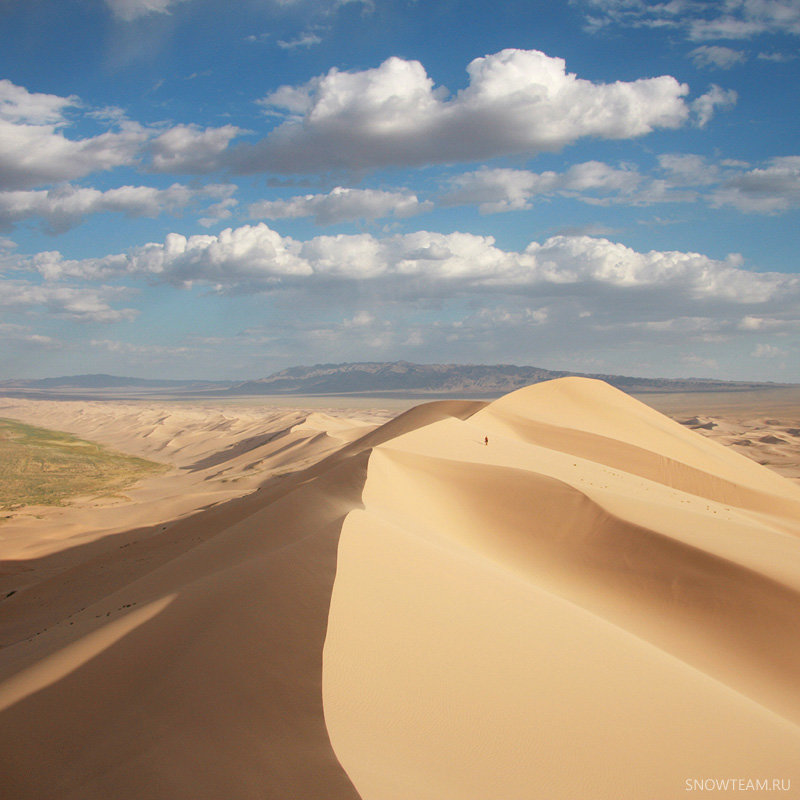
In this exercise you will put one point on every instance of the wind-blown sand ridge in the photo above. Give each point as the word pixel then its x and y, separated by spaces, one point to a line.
pixel 601 603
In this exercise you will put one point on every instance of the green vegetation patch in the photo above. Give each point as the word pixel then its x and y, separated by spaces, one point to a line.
pixel 43 467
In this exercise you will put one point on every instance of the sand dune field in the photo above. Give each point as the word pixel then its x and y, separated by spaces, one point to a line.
pixel 601 603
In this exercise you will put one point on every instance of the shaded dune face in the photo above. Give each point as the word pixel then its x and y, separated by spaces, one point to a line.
pixel 186 662
pixel 599 603
pixel 216 695
pixel 596 604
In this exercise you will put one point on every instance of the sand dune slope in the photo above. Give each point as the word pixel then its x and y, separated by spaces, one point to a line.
pixel 184 660
pixel 598 604
pixel 215 454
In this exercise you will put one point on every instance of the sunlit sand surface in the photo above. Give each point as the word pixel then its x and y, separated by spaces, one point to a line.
pixel 601 602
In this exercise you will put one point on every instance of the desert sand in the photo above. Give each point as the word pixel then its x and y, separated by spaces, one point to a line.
pixel 602 602
pixel 763 425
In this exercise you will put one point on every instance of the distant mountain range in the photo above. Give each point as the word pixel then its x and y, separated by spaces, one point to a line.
pixel 402 377
pixel 102 382
pixel 369 378
pixel 97 381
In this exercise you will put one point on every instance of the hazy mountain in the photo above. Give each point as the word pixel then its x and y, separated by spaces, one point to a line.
pixel 102 381
pixel 369 378
pixel 461 379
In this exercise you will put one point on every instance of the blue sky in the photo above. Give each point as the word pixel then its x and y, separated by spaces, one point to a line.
pixel 196 189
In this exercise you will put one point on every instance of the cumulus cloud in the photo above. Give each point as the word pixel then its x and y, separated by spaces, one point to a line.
pixel 34 150
pixel 33 155
pixel 18 105
pixel 496 190
pixel 66 206
pixel 342 205
pixel 421 264
pixel 679 178
pixel 716 56
pixel 190 148
pixel 219 211
pixel 705 105
pixel 458 292
pixel 517 101
pixel 772 189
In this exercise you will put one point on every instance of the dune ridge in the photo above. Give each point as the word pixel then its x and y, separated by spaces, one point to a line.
pixel 218 694
pixel 630 628
pixel 598 604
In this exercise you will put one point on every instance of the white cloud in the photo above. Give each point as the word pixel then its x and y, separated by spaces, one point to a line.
pixel 743 19
pixel 517 101
pixel 772 324
pixel 716 97
pixel 772 189
pixel 701 19
pixel 679 178
pixel 219 211
pixel 82 304
pixel 767 351
pixel 132 9
pixel 18 105
pixel 33 155
pixel 496 190
pixel 303 40
pixel 22 335
pixel 457 295
pixel 688 169
pixel 363 319
pixel 34 150
pixel 422 264
pixel 342 205
pixel 151 351
pixel 66 206
pixel 190 148
pixel 778 58
pixel 716 56
pixel 637 13
pixel 128 10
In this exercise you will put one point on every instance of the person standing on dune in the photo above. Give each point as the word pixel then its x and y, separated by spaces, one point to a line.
pixel 486 440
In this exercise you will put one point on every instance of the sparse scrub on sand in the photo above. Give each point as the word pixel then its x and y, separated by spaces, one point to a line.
pixel 44 467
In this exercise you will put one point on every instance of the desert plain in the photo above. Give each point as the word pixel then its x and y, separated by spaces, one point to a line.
pixel 329 600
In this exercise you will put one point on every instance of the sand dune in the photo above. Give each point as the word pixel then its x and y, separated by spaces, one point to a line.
pixel 764 426
pixel 216 454
pixel 601 603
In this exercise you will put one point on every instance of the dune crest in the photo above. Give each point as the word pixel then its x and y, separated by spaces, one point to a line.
pixel 598 603
pixel 526 619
